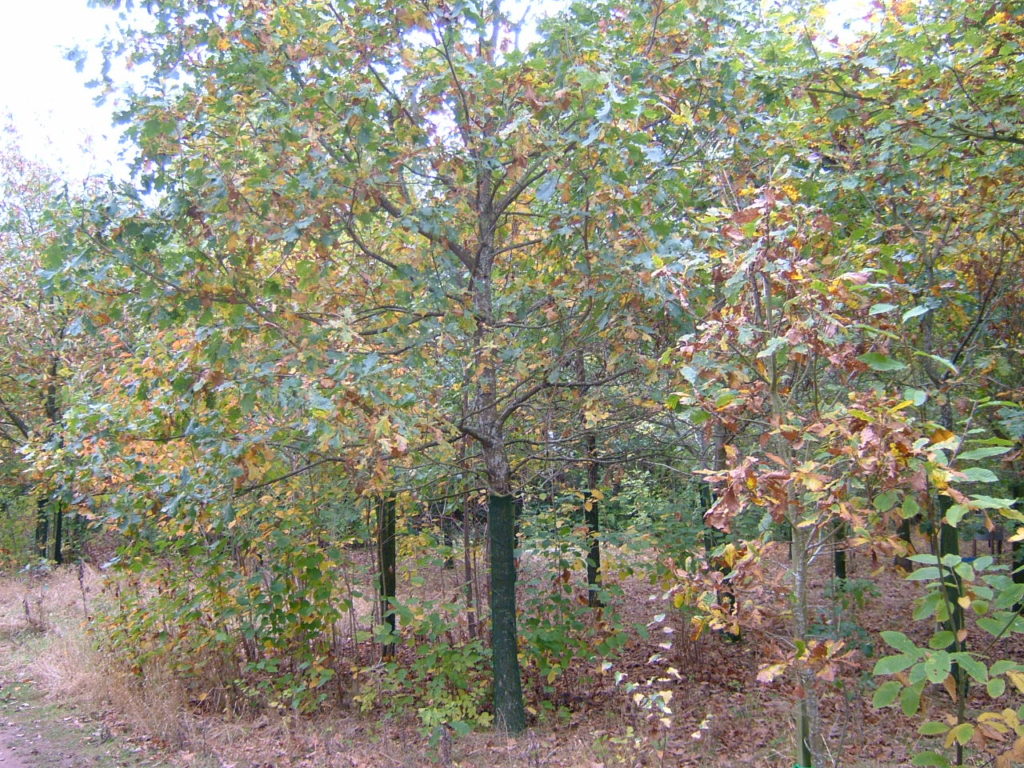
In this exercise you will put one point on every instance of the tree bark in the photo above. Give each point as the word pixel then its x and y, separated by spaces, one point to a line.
pixel 42 526
pixel 811 746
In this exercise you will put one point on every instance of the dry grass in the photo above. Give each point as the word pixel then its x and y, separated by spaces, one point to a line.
pixel 51 647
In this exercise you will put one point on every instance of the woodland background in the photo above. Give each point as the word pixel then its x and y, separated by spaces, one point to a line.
pixel 445 372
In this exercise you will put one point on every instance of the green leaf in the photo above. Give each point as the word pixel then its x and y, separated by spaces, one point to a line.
pixel 916 396
pixel 937 667
pixel 1003 665
pixel 879 362
pixel 900 642
pixel 890 665
pixel 878 309
pixel 984 453
pixel 979 501
pixel 773 345
pixel 910 699
pixel 980 475
pixel 913 312
pixel 941 361
pixel 910 508
pixel 972 666
pixel 886 501
pixel 724 399
pixel 992 625
pixel 930 759
pixel 926 606
pixel 941 639
pixel 886 694
pixel 996 687
pixel 955 514
pixel 461 727
pixel 932 728
pixel 962 733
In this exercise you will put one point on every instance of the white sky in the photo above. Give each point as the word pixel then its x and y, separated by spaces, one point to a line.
pixel 47 99
pixel 50 105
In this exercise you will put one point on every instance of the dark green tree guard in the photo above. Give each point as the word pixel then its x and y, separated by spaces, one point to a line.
pixel 387 559
pixel 839 553
pixel 1017 491
pixel 904 532
pixel 592 517
pixel 58 533
pixel 509 713
pixel 803 730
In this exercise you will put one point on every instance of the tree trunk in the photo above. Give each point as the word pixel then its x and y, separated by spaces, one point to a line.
pixel 714 537
pixel 949 544
pixel 42 526
pixel 488 428
pixel 44 505
pixel 467 572
pixel 810 750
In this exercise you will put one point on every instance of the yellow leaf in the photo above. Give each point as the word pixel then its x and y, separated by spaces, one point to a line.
pixel 1017 678
pixel 770 672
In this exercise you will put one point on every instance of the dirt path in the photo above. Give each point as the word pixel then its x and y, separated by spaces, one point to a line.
pixel 8 757
pixel 36 733
pixel 24 745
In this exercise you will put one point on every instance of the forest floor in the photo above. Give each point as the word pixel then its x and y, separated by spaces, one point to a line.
pixel 63 706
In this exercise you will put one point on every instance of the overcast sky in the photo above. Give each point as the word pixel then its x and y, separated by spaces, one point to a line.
pixel 50 105
pixel 42 92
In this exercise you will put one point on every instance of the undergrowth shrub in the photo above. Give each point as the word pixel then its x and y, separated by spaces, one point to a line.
pixel 240 621
pixel 444 682
pixel 561 635
pixel 17 528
